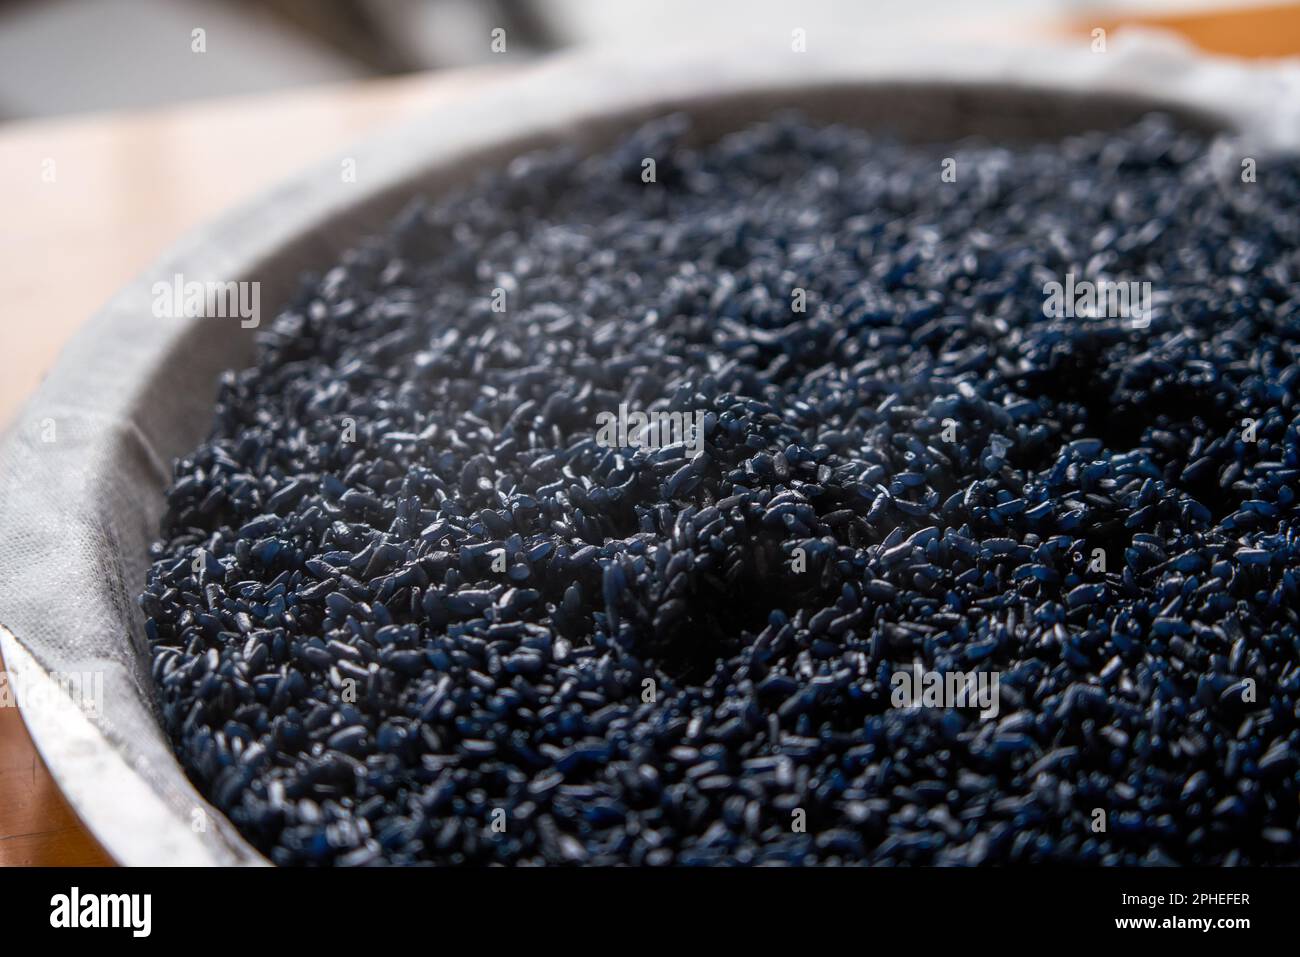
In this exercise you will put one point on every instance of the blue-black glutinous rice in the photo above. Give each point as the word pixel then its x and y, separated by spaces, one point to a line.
pixel 805 497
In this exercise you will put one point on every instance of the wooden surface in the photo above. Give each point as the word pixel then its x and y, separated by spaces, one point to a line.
pixel 1261 31
pixel 125 187
pixel 37 827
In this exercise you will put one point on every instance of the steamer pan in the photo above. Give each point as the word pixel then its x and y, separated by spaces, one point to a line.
pixel 133 391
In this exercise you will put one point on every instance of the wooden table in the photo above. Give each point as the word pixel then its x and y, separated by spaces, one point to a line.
pixel 124 188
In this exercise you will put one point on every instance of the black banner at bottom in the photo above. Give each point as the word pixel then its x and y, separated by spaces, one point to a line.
pixel 338 908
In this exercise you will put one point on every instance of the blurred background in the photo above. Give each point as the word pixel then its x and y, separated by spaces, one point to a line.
pixel 69 56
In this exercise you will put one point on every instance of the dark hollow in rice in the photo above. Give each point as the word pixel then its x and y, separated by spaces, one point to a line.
pixel 406 608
